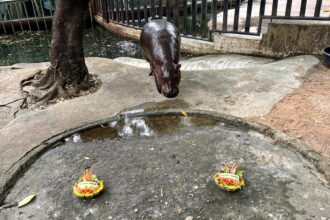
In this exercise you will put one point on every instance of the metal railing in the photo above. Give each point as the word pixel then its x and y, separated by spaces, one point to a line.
pixel 190 16
pixel 194 18
pixel 251 17
pixel 200 18
pixel 20 15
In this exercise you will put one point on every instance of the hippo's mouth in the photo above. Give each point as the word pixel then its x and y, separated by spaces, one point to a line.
pixel 170 93
pixel 166 90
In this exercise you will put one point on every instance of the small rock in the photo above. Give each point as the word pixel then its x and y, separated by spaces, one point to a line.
pixel 195 187
pixel 136 210
pixel 189 218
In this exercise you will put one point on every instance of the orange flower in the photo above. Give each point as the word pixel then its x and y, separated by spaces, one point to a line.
pixel 88 175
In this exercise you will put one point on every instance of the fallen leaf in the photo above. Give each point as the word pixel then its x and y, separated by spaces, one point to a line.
pixel 184 113
pixel 26 200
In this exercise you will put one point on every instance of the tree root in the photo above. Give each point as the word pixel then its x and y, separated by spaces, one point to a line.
pixel 50 94
pixel 7 104
pixel 45 82
pixel 43 89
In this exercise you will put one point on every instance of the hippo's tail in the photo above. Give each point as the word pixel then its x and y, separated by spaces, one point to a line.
pixel 157 18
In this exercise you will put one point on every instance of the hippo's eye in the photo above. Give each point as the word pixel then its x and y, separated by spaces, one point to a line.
pixel 166 75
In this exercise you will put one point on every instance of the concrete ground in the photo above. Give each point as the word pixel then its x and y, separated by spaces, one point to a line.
pixel 244 92
pixel 161 167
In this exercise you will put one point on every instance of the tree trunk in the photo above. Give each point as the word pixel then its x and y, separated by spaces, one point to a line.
pixel 68 74
pixel 67 53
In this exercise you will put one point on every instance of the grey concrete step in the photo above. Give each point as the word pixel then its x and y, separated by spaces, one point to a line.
pixel 208 62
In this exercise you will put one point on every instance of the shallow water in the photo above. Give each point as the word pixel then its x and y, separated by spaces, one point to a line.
pixel 145 126
pixel 34 47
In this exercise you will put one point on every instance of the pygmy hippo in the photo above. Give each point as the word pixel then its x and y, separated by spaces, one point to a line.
pixel 160 45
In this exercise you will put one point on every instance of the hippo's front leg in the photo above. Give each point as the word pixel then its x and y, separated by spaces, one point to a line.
pixel 151 71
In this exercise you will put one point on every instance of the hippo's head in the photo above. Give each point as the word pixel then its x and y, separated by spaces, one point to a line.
pixel 168 77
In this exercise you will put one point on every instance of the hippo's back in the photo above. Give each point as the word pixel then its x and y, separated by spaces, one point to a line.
pixel 159 29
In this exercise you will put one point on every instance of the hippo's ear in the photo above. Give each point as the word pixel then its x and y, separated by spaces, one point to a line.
pixel 178 66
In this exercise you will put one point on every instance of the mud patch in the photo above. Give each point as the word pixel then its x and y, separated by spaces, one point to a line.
pixel 305 113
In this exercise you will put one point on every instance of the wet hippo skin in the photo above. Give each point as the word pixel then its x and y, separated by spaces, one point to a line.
pixel 160 46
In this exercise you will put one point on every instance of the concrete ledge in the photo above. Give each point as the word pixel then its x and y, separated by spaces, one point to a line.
pixel 205 63
pixel 119 29
pixel 197 46
pixel 293 38
pixel 283 39
pixel 234 43
pixel 187 44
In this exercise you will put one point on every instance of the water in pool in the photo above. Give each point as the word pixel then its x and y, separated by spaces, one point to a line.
pixel 34 47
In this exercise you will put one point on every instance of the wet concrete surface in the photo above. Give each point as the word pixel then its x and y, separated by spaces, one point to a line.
pixel 161 168
pixel 204 63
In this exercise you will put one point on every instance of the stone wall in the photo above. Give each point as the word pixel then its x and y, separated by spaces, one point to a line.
pixel 283 39
pixel 240 44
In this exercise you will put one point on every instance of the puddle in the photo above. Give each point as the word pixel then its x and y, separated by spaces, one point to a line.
pixel 145 126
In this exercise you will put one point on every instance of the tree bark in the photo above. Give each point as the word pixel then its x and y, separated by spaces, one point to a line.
pixel 67 40
pixel 68 73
